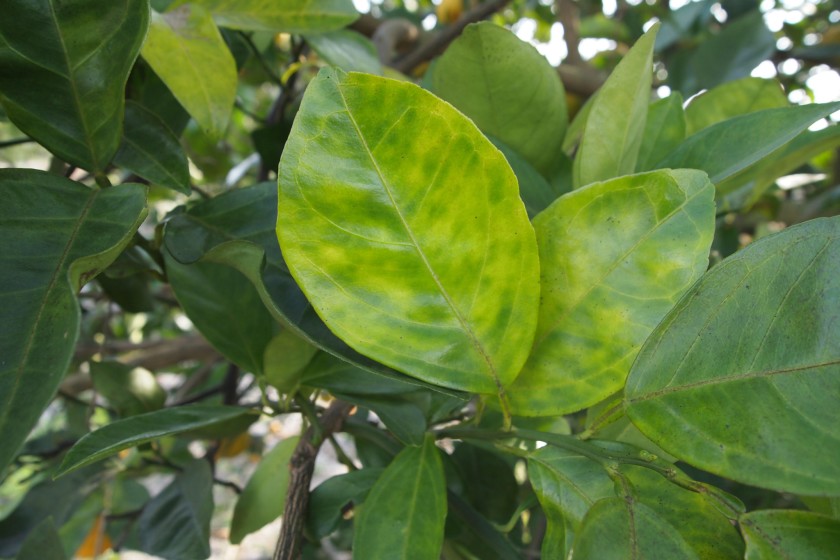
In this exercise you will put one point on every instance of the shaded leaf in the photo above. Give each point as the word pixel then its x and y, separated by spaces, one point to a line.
pixel 404 513
pixel 527 113
pixel 63 73
pixel 187 52
pixel 786 534
pixel 43 543
pixel 286 357
pixel 289 16
pixel 339 376
pixel 437 274
pixel 536 193
pixel 149 149
pixel 740 378
pixel 175 524
pixel 130 390
pixel 264 497
pixel 664 130
pixel 615 124
pixel 329 502
pixel 733 99
pixel 347 49
pixel 615 257
pixel 64 234
pixel 131 432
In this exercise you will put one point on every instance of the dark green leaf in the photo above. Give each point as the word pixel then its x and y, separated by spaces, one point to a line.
pixel 63 72
pixel 790 534
pixel 59 234
pixel 480 470
pixel 175 524
pixel 509 90
pixel 404 419
pixel 740 378
pixel 151 150
pixel 478 534
pixel 535 191
pixel 403 516
pixel 664 130
pixel 339 376
pixel 43 543
pixel 378 247
pixel 131 432
pixel 336 496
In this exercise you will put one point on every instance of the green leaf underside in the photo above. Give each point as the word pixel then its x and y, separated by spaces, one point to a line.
pixel 789 535
pixel 187 52
pixel 741 378
pixel 238 229
pixel 78 232
pixel 615 125
pixel 615 257
pixel 176 522
pixel 151 150
pixel 290 16
pixel 404 218
pixel 733 99
pixel 131 432
pixel 263 498
pixel 725 148
pixel 570 485
pixel 63 73
pixel 404 513
pixel 527 113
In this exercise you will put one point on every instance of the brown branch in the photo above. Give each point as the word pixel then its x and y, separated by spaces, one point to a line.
pixel 436 45
pixel 301 465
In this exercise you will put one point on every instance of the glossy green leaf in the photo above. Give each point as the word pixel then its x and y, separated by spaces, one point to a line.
pixel 421 235
pixel 337 495
pixel 130 390
pixel 290 16
pixel 732 99
pixel 664 130
pixel 789 534
pixel 60 235
pixel 226 308
pixel 43 543
pixel 131 432
pixel 527 113
pixel 285 359
pixel 347 49
pixel 176 522
pixel 63 73
pixel 621 528
pixel 741 378
pixel 237 229
pixel 615 257
pixel 615 124
pixel 404 513
pixel 149 149
pixel 187 52
pixel 264 497
pixel 725 148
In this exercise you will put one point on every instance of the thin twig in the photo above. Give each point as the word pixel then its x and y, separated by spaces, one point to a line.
pixel 15 142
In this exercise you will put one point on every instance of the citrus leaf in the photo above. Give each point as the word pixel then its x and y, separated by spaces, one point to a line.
pixel 63 73
pixel 741 378
pixel 404 514
pixel 289 16
pixel 150 150
pixel 130 390
pixel 347 49
pixel 725 148
pixel 335 496
pixel 664 130
pixel 187 52
pixel 527 113
pixel 285 359
pixel 536 193
pixel 420 235
pixel 615 124
pixel 59 234
pixel 131 432
pixel 43 543
pixel 732 99
pixel 785 534
pixel 615 257
pixel 264 497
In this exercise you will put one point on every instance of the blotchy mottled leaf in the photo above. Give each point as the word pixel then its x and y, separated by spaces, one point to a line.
pixel 289 16
pixel 664 130
pixel 237 229
pixel 741 378
pixel 615 257
pixel 347 49
pixel 263 499
pixel 406 219
pixel 131 432
pixel 508 89
pixel 57 234
pixel 725 148
pixel 187 52
pixel 404 514
pixel 63 72
pixel 151 150
pixel 733 99
pixel 615 124
pixel 790 534
pixel 176 522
